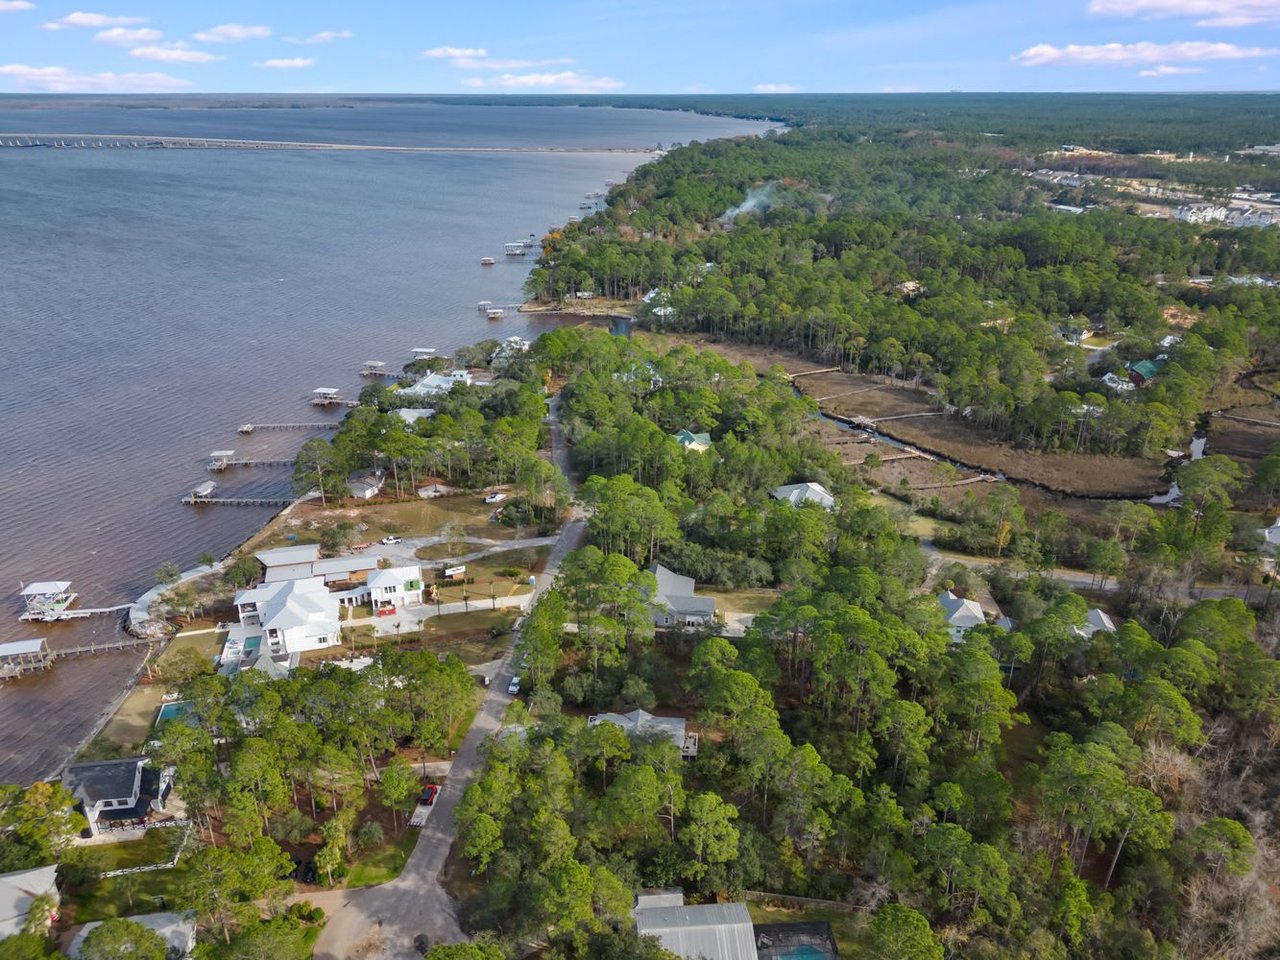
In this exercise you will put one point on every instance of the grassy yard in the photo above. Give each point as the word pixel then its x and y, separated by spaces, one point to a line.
pixel 490 576
pixel 406 518
pixel 383 864
pixel 845 927
pixel 122 896
pixel 157 846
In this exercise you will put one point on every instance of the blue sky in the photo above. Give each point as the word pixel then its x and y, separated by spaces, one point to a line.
pixel 634 46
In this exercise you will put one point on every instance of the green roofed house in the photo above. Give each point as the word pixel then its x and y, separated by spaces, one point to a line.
pixel 1144 371
pixel 697 442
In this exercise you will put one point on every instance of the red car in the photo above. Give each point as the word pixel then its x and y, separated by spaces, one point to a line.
pixel 429 793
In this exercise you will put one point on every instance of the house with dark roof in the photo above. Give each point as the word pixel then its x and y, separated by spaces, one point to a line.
pixel 674 604
pixel 1144 371
pixel 117 791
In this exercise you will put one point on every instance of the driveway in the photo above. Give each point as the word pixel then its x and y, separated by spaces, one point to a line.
pixel 380 923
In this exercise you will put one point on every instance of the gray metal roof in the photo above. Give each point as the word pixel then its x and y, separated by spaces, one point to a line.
pixel 282 556
pixel 714 931
pixel 20 648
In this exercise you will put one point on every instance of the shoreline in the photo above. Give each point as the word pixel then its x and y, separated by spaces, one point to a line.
pixel 139 609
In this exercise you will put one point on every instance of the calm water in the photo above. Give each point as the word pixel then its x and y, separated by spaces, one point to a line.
pixel 151 301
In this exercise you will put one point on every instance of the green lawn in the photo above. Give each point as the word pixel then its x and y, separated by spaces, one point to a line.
pixel 382 864
pixel 122 896
pixel 845 927
pixel 157 846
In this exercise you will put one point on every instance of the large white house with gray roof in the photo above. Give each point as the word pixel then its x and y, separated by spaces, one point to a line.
pixel 711 931
pixel 291 616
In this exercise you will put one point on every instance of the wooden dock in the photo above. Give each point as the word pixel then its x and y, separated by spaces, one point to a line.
pixel 248 428
pixel 53 616
pixel 43 659
pixel 223 464
pixel 237 501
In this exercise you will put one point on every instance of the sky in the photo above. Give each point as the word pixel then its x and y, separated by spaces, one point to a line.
pixel 637 46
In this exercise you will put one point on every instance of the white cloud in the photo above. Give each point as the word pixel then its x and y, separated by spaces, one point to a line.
pixel 1213 13
pixel 287 63
pixel 232 33
pixel 496 63
pixel 176 52
pixel 96 20
pixel 566 81
pixel 774 88
pixel 1164 70
pixel 9 5
pixel 453 53
pixel 127 36
pixel 324 36
pixel 1130 54
pixel 62 80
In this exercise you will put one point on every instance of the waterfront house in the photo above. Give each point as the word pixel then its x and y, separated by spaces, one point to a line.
pixel 674 603
pixel 508 350
pixel 287 617
pixel 177 930
pixel 798 494
pixel 302 561
pixel 641 723
pixel 435 384
pixel 711 931
pixel 961 614
pixel 18 891
pixel 394 588
pixel 117 791
pixel 693 442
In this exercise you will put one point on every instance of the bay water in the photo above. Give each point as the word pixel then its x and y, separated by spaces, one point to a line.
pixel 153 300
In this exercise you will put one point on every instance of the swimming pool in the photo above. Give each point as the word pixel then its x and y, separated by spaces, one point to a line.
pixel 172 711
pixel 804 952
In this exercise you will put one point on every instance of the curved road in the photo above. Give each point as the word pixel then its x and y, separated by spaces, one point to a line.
pixel 381 923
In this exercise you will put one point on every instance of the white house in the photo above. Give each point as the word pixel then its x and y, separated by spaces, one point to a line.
pixel 17 892
pixel 508 350
pixel 710 931
pixel 694 442
pixel 117 790
pixel 411 415
pixel 961 615
pixel 675 604
pixel 366 486
pixel 1270 542
pixel 289 616
pixel 642 723
pixel 1118 384
pixel 394 588
pixel 798 494
pixel 435 384
pixel 1094 621
pixel 178 930
pixel 302 561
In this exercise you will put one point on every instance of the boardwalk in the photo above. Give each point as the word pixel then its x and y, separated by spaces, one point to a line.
pixel 247 428
pixel 52 616
pixel 237 501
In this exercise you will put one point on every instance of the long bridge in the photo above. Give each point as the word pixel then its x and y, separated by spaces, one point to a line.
pixel 103 141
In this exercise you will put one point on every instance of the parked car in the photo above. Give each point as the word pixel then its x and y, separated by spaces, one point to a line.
pixel 495 498
pixel 310 875
pixel 514 686
pixel 429 793
pixel 389 541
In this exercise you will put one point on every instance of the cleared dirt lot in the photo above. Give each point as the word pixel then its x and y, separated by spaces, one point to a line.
pixel 862 395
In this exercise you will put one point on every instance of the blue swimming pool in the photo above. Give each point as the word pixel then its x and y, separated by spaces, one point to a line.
pixel 172 711
pixel 804 952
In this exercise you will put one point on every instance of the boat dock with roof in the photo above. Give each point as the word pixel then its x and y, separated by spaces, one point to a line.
pixel 49 601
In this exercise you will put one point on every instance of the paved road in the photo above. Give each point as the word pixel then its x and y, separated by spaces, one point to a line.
pixel 380 923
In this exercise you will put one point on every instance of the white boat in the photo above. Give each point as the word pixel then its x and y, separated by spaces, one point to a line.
pixel 514 249
pixel 495 313
pixel 487 261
